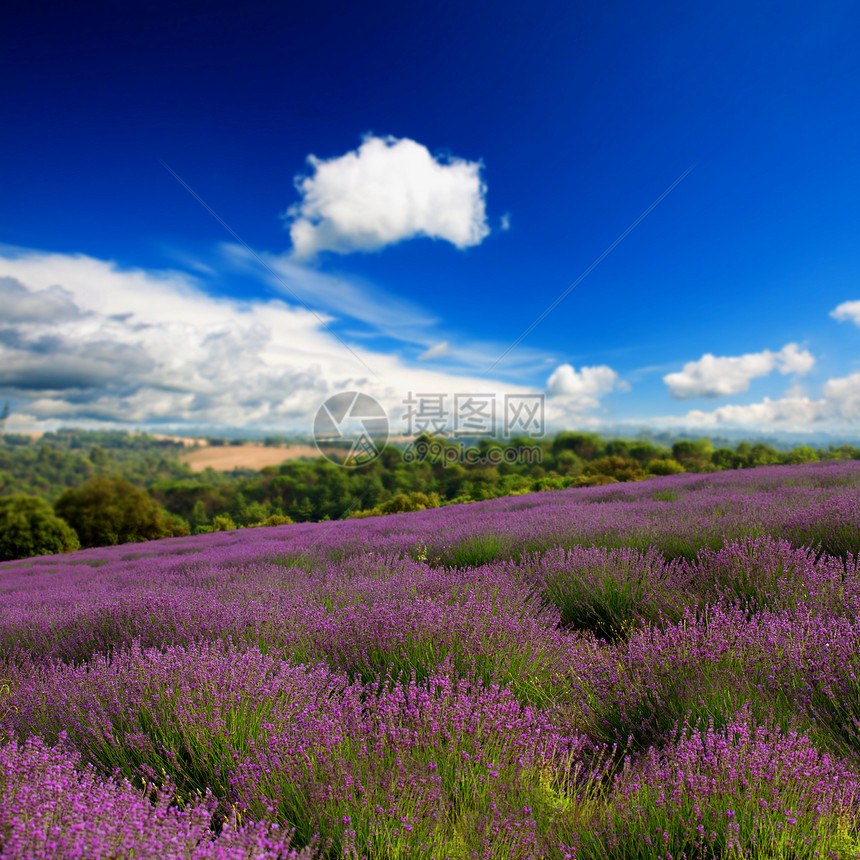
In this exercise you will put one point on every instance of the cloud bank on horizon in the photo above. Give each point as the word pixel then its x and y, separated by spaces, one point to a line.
pixel 837 409
pixel 86 341
pixel 82 340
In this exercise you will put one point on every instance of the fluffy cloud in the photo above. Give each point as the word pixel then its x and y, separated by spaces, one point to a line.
pixel 792 359
pixel 837 408
pixel 21 305
pixel 847 311
pixel 790 413
pixel 842 396
pixel 583 388
pixel 717 376
pixel 92 343
pixel 387 190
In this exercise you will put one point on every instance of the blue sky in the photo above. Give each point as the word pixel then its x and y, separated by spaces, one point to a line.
pixel 429 178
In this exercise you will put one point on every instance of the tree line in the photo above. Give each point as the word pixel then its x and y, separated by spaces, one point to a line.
pixel 78 488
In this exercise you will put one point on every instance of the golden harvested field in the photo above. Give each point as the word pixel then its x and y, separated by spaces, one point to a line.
pixel 226 457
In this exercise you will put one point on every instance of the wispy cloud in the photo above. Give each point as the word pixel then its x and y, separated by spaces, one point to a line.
pixel 386 314
pixel 340 295
pixel 438 350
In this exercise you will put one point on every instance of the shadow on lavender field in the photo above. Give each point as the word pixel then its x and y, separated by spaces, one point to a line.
pixel 666 669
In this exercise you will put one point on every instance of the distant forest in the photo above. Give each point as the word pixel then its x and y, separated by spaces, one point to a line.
pixel 301 491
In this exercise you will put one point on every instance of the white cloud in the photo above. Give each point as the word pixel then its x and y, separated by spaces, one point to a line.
pixel 789 413
pixel 438 350
pixel 843 396
pixel 582 389
pixel 21 305
pixel 837 408
pixel 717 376
pixel 792 359
pixel 386 191
pixel 847 311
pixel 92 343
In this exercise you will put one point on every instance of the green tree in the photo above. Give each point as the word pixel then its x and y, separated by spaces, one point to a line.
pixel 304 511
pixel 274 520
pixel 665 467
pixel 198 516
pixel 222 523
pixel 410 502
pixel 567 463
pixel 593 481
pixel 694 455
pixel 238 510
pixel 644 452
pixel 98 457
pixel 618 448
pixel 588 446
pixel 106 511
pixel 763 455
pixel 843 452
pixel 620 468
pixel 725 458
pixel 29 527
pixel 801 454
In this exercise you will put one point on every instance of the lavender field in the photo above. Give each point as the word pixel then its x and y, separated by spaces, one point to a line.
pixel 662 669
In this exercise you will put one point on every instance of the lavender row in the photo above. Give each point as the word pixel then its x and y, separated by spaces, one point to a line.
pixel 51 807
pixel 726 706
pixel 368 610
pixel 810 504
